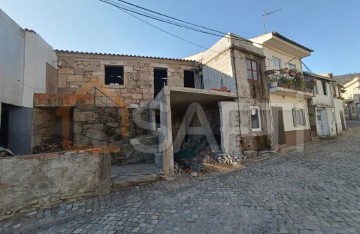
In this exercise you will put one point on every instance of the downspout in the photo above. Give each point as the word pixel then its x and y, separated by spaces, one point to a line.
pixel 237 89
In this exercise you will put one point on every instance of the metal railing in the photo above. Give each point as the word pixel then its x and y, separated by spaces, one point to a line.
pixel 100 98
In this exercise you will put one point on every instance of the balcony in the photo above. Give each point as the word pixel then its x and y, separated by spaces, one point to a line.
pixel 286 82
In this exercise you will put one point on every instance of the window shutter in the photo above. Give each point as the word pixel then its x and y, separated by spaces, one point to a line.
pixel 294 117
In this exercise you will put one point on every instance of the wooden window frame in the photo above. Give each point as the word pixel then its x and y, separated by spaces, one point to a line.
pixel 251 69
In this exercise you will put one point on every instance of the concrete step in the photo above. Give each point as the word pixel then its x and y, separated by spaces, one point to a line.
pixel 134 174
pixel 286 148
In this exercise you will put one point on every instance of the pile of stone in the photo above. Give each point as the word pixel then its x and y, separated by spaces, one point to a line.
pixel 229 159
pixel 50 145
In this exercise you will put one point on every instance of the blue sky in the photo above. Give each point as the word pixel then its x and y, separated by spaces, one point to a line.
pixel 330 27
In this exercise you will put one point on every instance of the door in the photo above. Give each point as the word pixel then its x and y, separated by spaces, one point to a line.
pixel 322 122
pixel 279 130
pixel 160 79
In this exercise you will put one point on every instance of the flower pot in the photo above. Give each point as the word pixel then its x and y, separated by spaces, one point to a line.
pixel 283 70
pixel 269 72
pixel 274 84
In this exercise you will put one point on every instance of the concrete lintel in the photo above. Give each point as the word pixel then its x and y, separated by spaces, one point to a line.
pixel 181 96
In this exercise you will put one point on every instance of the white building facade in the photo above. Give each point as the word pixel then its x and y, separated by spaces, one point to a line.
pixel 25 61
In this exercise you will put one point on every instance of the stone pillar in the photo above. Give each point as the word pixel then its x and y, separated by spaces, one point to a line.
pixel 166 141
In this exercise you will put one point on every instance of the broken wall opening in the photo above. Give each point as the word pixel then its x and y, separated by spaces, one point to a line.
pixel 189 138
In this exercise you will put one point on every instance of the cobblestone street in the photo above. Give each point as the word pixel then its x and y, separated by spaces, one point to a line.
pixel 313 192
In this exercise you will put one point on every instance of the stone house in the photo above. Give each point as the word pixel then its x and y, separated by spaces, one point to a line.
pixel 96 98
pixel 288 91
pixel 143 109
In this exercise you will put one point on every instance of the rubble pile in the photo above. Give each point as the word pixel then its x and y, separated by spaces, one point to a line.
pixel 224 158
pixel 50 145
pixel 206 156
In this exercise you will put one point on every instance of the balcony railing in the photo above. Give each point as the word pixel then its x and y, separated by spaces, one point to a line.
pixel 291 79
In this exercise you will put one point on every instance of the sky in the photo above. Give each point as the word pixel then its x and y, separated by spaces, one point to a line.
pixel 330 27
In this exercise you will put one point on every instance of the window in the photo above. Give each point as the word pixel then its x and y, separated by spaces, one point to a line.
pixel 291 66
pixel 298 117
pixel 189 79
pixel 114 75
pixel 324 86
pixel 255 118
pixel 252 71
pixel 276 62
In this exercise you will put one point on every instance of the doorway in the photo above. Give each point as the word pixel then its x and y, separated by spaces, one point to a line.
pixel 4 128
pixel 279 130
pixel 322 122
pixel 160 80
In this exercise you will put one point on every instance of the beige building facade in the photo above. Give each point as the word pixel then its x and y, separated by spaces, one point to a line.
pixel 288 91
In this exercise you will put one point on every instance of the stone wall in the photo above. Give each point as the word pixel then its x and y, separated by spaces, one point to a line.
pixel 44 125
pixel 81 71
pixel 40 181
pixel 97 127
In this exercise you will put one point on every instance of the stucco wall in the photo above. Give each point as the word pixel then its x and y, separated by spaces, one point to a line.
pixel 288 103
pixel 12 52
pixel 37 54
pixel 352 88
pixel 217 65
pixel 39 181
pixel 320 98
pixel 285 58
pixel 339 107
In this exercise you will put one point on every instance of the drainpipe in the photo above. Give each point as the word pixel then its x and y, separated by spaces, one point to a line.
pixel 237 88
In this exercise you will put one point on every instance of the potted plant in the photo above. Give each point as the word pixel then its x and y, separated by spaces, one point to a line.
pixel 285 81
pixel 270 72
pixel 283 70
pixel 292 72
pixel 274 80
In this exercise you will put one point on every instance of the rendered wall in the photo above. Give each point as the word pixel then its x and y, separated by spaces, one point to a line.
pixel 12 51
pixel 284 57
pixel 288 103
pixel 20 125
pixel 320 98
pixel 338 104
pixel 37 54
pixel 39 181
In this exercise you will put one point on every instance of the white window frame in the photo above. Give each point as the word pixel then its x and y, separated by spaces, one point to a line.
pixel 257 108
pixel 278 62
pixel 291 66
pixel 299 122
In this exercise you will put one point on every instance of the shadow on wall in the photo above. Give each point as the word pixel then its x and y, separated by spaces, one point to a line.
pixel 16 125
pixel 213 78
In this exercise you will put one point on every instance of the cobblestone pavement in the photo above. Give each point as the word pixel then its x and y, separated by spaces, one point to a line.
pixel 312 192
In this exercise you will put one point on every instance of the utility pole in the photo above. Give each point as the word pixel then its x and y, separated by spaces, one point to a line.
pixel 267 14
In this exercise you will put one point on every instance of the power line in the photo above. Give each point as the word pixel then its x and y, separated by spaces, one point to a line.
pixel 158 13
pixel 157 18
pixel 162 30
pixel 213 33
pixel 171 34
